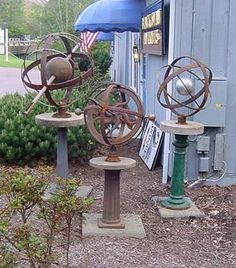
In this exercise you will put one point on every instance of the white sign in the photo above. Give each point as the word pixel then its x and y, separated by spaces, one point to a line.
pixel 151 145
pixel 2 42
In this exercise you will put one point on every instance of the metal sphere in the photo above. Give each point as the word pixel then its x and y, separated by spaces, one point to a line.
pixel 184 86
pixel 58 70
pixel 196 97
pixel 114 115
pixel 61 68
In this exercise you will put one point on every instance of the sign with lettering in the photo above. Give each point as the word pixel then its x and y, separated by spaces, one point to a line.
pixel 151 144
pixel 152 30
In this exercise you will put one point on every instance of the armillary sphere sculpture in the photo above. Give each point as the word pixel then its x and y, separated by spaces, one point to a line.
pixel 190 93
pixel 114 115
pixel 192 98
pixel 57 58
pixel 58 63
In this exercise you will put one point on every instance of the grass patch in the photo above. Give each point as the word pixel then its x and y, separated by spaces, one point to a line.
pixel 13 61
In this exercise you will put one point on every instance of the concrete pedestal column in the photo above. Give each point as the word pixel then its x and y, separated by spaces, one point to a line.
pixel 62 169
pixel 61 124
pixel 111 203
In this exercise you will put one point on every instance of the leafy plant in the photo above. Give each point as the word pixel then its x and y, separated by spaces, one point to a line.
pixel 25 202
pixel 62 207
pixel 22 191
pixel 7 257
pixel 103 60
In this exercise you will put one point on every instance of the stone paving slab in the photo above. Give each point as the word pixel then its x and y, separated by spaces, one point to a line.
pixel 193 211
pixel 82 191
pixel 133 227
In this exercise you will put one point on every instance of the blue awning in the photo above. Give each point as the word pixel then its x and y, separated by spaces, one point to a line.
pixel 111 16
pixel 105 36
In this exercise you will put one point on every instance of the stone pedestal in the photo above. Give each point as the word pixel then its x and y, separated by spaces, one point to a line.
pixel 111 202
pixel 62 124
pixel 176 200
pixel 47 120
pixel 112 223
pixel 189 128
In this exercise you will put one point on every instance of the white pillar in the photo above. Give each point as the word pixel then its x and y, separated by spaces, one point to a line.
pixel 6 43
pixel 169 89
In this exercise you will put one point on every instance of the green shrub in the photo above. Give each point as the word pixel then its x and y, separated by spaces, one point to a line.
pixel 25 204
pixel 102 60
pixel 22 141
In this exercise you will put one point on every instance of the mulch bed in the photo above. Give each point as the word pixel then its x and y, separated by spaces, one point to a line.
pixel 170 243
pixel 195 242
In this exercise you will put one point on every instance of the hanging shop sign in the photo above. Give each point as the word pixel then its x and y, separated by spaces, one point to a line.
pixel 153 29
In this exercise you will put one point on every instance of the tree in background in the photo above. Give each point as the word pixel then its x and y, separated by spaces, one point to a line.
pixel 40 17
pixel 54 16
pixel 12 13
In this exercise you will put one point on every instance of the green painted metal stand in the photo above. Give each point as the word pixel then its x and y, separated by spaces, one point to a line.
pixel 176 199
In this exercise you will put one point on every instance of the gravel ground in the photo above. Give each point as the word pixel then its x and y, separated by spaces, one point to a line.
pixel 206 242
pixel 170 243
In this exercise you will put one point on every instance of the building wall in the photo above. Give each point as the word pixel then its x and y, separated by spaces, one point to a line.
pixel 205 30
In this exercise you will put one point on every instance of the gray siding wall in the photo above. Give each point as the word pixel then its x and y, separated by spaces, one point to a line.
pixel 205 29
pixel 151 80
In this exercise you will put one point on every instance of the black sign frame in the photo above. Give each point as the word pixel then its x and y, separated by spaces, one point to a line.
pixel 161 30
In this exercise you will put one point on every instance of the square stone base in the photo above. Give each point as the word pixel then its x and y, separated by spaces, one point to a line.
pixel 82 191
pixel 133 227
pixel 193 211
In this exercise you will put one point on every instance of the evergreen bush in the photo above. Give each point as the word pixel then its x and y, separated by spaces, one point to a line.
pixel 22 141
pixel 103 60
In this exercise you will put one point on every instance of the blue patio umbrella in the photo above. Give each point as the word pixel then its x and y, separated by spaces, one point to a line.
pixel 105 37
pixel 111 16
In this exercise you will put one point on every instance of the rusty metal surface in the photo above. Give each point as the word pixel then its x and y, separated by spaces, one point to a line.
pixel 71 44
pixel 114 115
pixel 194 101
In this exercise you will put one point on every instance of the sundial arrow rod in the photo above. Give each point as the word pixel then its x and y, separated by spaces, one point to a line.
pixel 38 96
pixel 49 82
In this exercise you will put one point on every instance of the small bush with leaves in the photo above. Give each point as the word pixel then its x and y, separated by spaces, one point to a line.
pixel 21 238
pixel 22 141
pixel 102 60
pixel 7 257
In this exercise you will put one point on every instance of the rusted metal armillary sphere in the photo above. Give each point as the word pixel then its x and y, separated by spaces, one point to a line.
pixel 57 70
pixel 114 115
pixel 193 80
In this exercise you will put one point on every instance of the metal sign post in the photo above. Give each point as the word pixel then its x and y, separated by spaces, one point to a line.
pixel 4 40
pixel 2 43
